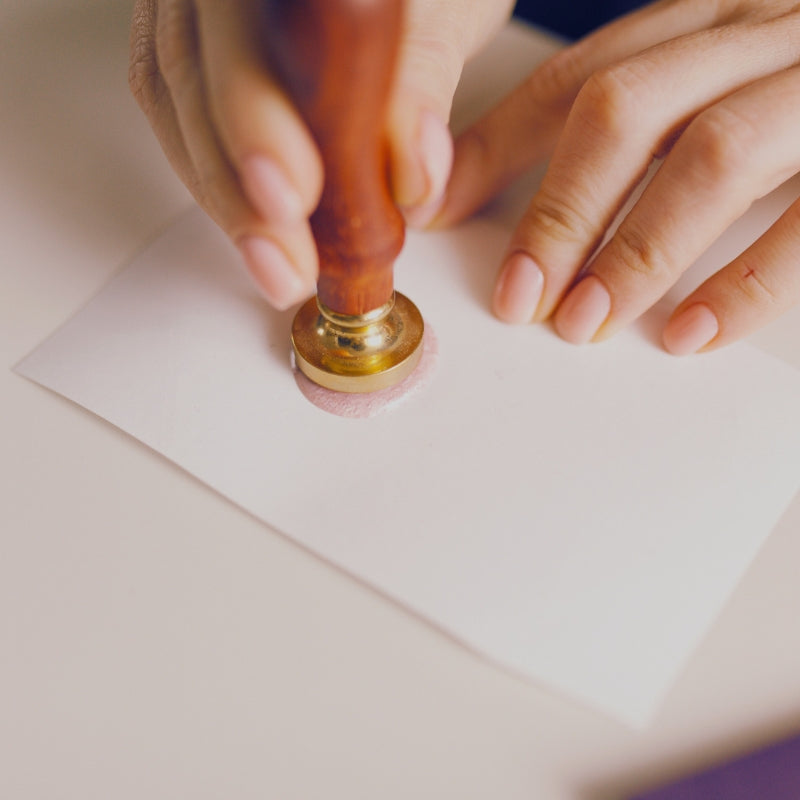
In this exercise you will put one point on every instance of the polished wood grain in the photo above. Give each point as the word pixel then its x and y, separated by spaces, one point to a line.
pixel 336 59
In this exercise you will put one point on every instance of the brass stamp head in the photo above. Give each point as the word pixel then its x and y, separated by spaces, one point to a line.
pixel 358 353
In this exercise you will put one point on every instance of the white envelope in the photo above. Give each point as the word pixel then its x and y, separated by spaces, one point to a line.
pixel 577 515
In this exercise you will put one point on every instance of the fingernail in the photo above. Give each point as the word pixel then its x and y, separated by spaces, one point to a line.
pixel 421 216
pixel 436 150
pixel 692 329
pixel 583 311
pixel 518 290
pixel 435 153
pixel 273 272
pixel 270 191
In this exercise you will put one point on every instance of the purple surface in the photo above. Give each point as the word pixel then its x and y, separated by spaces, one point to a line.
pixel 769 774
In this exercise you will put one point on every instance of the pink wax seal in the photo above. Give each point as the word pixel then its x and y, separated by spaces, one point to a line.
pixel 369 404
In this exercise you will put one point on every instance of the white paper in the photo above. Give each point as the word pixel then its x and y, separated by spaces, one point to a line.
pixel 578 515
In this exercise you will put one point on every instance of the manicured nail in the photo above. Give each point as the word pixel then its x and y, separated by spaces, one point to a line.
pixel 692 329
pixel 270 191
pixel 583 311
pixel 420 216
pixel 518 290
pixel 435 152
pixel 273 272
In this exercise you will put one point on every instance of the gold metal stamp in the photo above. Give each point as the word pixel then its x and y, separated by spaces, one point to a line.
pixel 358 353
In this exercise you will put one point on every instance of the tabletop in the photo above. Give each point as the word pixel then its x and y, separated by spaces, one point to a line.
pixel 157 641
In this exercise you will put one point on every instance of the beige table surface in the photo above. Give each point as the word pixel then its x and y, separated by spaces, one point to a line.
pixel 157 642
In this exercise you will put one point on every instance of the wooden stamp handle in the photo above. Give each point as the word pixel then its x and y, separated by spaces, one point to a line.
pixel 336 59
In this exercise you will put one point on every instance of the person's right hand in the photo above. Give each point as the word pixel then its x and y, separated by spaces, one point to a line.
pixel 199 71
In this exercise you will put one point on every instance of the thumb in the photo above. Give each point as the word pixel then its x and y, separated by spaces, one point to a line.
pixel 438 37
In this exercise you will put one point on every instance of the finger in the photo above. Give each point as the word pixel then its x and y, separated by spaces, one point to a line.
pixel 522 129
pixel 278 252
pixel 756 288
pixel 262 135
pixel 283 261
pixel 734 152
pixel 437 39
pixel 622 117
pixel 151 93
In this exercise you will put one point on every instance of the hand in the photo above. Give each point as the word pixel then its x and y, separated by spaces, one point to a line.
pixel 199 71
pixel 714 88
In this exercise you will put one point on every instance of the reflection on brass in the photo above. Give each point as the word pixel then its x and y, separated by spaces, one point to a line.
pixel 359 353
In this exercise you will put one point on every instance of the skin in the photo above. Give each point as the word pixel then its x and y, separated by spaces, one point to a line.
pixel 712 87
pixel 199 73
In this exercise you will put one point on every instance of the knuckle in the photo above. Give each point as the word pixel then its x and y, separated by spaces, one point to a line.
pixel 558 220
pixel 637 254
pixel 560 77
pixel 611 100
pixel 751 280
pixel 720 141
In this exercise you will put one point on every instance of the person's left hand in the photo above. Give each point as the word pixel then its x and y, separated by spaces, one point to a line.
pixel 714 88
